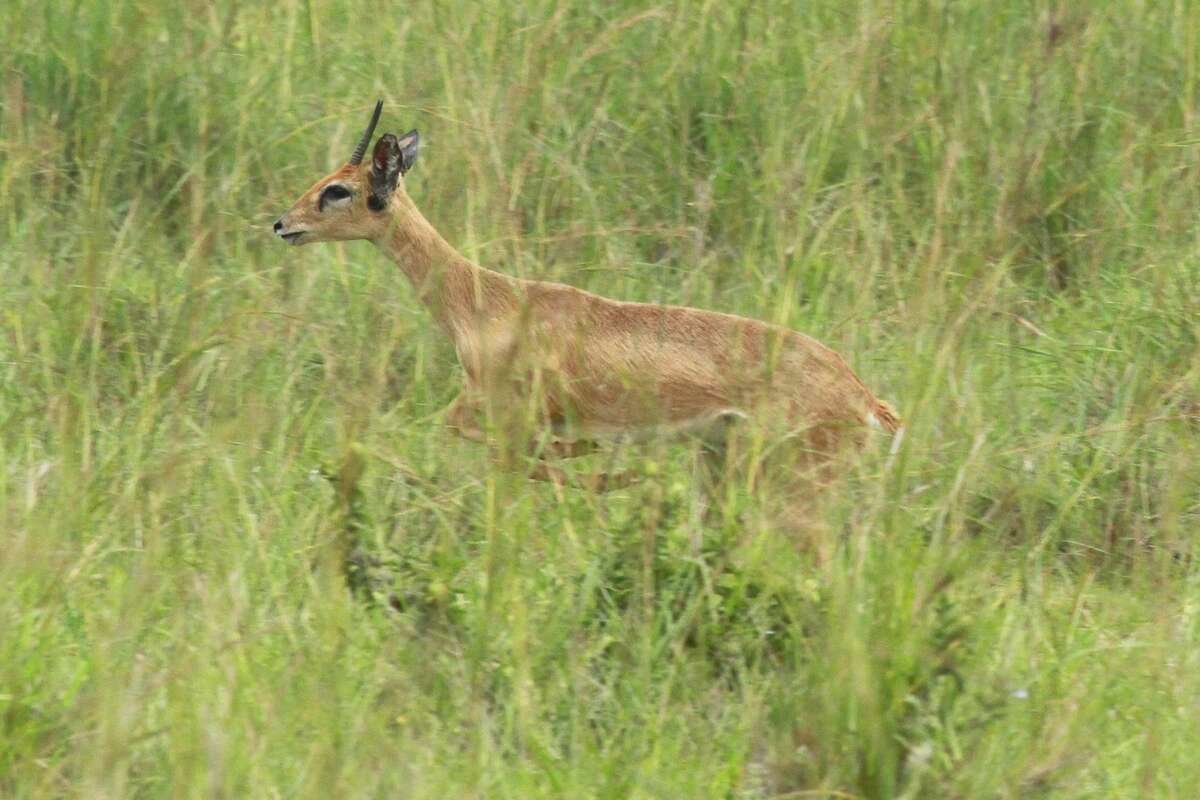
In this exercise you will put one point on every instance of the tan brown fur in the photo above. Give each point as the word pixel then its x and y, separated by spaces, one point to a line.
pixel 587 368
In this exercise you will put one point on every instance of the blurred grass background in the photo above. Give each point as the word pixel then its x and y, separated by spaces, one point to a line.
pixel 988 207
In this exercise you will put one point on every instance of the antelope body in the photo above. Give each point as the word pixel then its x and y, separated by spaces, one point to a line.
pixel 584 367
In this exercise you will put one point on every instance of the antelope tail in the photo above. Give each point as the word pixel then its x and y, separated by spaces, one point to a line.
pixel 883 416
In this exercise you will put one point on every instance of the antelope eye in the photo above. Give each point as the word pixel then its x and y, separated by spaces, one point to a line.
pixel 333 192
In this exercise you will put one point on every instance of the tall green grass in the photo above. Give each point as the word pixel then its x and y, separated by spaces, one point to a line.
pixel 989 208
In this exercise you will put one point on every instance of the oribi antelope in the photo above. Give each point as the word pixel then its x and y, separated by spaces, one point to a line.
pixel 585 368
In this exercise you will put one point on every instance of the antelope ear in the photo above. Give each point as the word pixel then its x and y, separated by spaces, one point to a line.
pixel 409 143
pixel 387 165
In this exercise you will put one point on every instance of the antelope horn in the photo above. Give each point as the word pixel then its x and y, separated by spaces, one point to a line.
pixel 361 150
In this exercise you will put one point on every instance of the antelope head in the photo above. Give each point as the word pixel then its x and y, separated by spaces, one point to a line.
pixel 349 203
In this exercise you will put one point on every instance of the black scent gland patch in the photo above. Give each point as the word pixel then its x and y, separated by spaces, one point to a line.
pixel 332 193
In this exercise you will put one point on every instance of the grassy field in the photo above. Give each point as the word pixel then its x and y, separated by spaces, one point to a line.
pixel 989 208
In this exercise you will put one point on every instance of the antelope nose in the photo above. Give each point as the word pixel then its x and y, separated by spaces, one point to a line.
pixel 279 225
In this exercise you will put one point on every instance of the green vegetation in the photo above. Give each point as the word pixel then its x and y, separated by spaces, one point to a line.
pixel 989 208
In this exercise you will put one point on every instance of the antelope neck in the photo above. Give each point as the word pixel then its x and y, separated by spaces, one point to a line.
pixel 455 290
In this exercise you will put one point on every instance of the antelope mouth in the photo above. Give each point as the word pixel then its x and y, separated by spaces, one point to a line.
pixel 293 237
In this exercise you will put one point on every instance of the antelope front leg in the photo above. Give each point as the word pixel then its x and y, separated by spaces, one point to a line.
pixel 462 417
pixel 464 413
pixel 595 482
